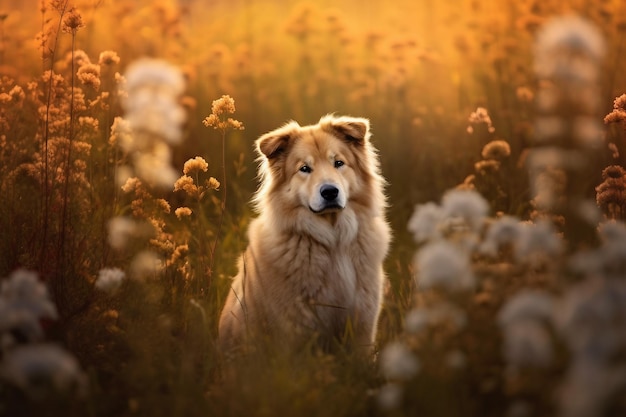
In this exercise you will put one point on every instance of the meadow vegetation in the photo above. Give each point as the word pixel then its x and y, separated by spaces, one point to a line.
pixel 127 166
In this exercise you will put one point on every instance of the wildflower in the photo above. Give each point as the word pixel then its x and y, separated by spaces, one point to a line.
pixel 503 231
pixel 527 343
pixel 145 264
pixel 196 164
pixel 467 205
pixel 618 114
pixel 108 58
pixel 182 212
pixel 17 94
pixel 24 301
pixel 80 58
pixel 497 150
pixel 442 265
pixel 39 369
pixel 590 314
pixel 72 21
pixel 89 74
pixel 487 167
pixel 121 230
pixel 397 362
pixel 151 105
pixel 121 134
pixel 523 320
pixel 221 107
pixel 154 166
pixel 564 38
pixel 614 151
pixel 131 184
pixel 416 320
pixel 526 305
pixel 548 128
pixel 538 242
pixel 420 319
pixel 186 184
pixel 213 184
pixel 590 389
pixel 588 131
pixel 110 279
pixel 611 193
pixel 524 94
pixel 481 116
pixel 424 222
pixel 390 396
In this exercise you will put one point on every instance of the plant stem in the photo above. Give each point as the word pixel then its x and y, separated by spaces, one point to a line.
pixel 61 244
pixel 45 180
pixel 221 219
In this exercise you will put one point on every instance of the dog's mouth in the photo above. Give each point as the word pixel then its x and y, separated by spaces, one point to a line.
pixel 328 208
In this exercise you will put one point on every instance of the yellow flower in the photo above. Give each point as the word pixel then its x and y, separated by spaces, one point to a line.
pixel 182 212
pixel 108 58
pixel 497 150
pixel 89 74
pixel 185 183
pixel 220 107
pixel 195 164
pixel 73 21
pixel 213 184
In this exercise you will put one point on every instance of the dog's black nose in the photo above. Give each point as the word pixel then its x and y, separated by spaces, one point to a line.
pixel 329 192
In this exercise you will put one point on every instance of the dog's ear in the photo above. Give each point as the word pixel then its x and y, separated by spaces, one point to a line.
pixel 353 129
pixel 276 142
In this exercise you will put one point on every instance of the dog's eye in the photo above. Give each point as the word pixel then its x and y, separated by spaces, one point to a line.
pixel 306 169
pixel 339 164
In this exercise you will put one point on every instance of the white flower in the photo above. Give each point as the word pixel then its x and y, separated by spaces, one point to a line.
pixel 424 222
pixel 390 396
pixel 441 264
pixel 526 305
pixel 574 33
pixel 568 48
pixel 121 230
pixel 154 167
pixel 504 231
pixel 417 320
pixel 613 232
pixel 145 264
pixel 537 242
pixel 592 317
pixel 467 205
pixel 397 362
pixel 523 320
pixel 24 301
pixel 589 389
pixel 420 319
pixel 153 87
pixel 36 369
pixel 527 343
pixel 110 279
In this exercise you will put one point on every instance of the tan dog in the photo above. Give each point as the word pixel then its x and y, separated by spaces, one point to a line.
pixel 313 269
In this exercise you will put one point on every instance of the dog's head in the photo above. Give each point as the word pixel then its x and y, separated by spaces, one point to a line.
pixel 320 168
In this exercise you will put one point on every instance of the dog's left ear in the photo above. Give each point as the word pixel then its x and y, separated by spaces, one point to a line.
pixel 355 130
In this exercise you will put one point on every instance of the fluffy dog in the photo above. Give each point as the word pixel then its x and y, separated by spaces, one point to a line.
pixel 312 271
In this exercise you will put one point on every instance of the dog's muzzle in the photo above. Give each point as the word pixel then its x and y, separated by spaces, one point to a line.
pixel 329 201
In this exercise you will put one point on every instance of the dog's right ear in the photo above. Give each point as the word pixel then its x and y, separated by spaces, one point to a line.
pixel 277 142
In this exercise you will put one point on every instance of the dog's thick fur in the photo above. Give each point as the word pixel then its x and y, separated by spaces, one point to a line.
pixel 313 267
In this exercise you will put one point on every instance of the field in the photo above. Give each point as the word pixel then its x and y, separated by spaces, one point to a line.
pixel 127 166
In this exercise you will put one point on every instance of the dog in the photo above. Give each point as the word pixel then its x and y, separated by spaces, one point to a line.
pixel 312 273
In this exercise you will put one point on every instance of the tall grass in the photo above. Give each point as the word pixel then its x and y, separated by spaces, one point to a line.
pixel 505 290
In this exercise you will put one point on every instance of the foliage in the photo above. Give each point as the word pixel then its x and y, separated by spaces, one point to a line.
pixel 127 171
